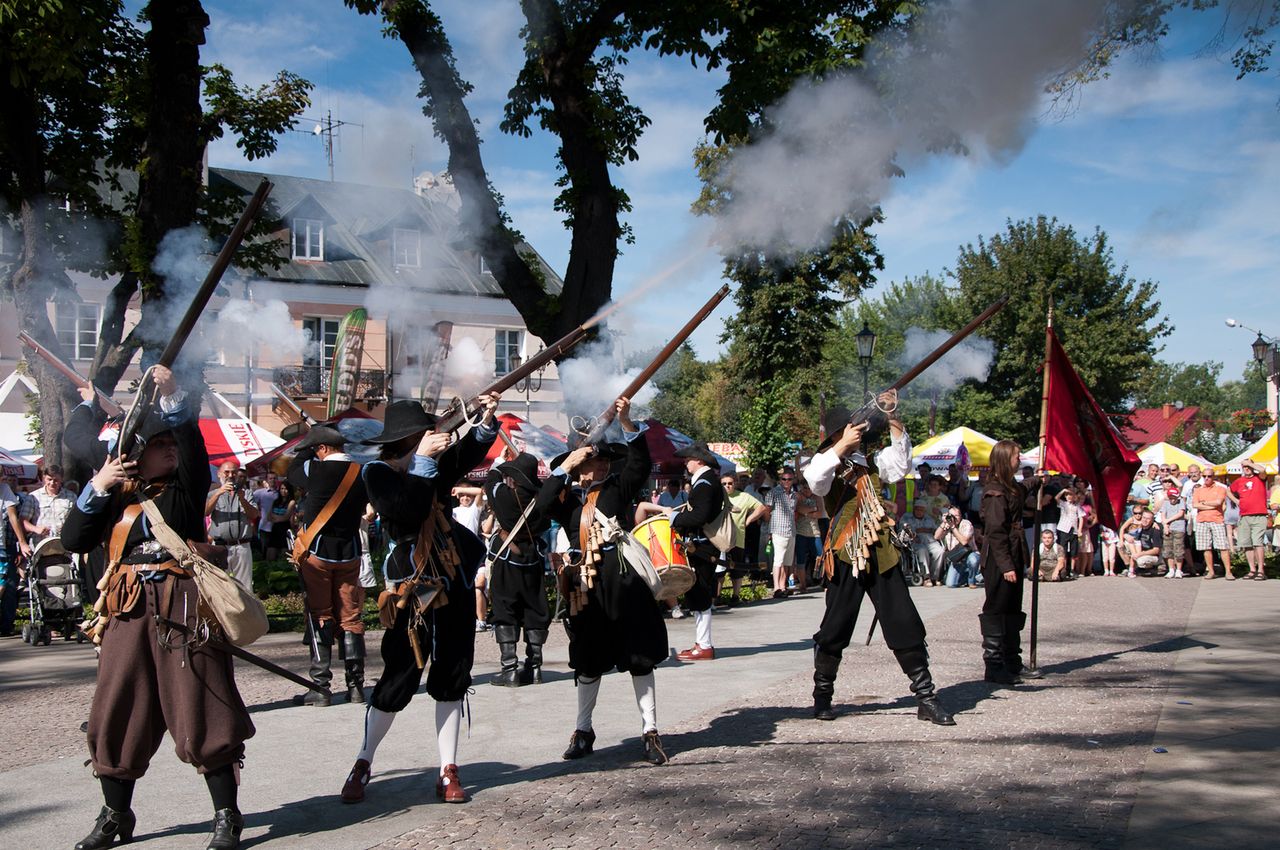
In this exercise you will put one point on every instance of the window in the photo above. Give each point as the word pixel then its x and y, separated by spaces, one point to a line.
pixel 405 247
pixel 308 239
pixel 506 351
pixel 483 266
pixel 322 339
pixel 77 326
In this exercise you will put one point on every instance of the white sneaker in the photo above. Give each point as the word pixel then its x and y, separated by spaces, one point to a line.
pixel 677 613
pixel 1177 574
pixel 1171 574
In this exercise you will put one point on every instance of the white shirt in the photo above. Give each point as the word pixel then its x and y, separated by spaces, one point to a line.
pixel 892 462
pixel 468 517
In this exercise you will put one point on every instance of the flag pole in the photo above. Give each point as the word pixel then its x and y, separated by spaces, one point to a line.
pixel 1035 535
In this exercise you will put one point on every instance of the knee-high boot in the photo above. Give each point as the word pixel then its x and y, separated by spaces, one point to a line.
pixel 352 652
pixel 993 627
pixel 533 641
pixel 915 663
pixel 825 667
pixel 1012 646
pixel 509 675
pixel 321 664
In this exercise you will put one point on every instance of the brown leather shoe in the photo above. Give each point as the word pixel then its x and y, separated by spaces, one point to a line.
pixel 449 786
pixel 698 653
pixel 353 788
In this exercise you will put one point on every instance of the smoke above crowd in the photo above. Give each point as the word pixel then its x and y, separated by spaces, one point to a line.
pixel 594 378
pixel 970 360
pixel 969 77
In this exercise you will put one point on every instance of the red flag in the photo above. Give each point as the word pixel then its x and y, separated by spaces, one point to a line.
pixel 1080 439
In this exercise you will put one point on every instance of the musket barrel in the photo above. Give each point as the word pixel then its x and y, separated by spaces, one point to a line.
pixel 956 338
pixel 108 404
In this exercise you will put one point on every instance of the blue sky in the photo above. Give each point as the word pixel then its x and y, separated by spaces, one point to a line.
pixel 1172 156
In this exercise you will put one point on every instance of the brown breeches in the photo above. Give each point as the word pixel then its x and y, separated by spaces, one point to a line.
pixel 144 689
pixel 334 592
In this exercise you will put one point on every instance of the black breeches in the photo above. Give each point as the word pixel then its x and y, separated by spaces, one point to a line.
pixel 1003 597
pixel 519 595
pixel 447 637
pixel 702 557
pixel 899 620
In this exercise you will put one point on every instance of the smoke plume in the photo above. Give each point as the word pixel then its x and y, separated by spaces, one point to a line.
pixel 970 360
pixel 968 77
pixel 594 378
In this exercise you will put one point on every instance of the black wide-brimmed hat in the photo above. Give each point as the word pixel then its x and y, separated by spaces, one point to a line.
pixel 322 435
pixel 700 451
pixel 833 425
pixel 404 419
pixel 604 451
pixel 523 470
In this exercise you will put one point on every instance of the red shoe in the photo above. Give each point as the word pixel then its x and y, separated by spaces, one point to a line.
pixel 449 786
pixel 353 788
pixel 698 653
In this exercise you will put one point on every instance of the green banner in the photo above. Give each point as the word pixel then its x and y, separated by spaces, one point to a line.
pixel 348 350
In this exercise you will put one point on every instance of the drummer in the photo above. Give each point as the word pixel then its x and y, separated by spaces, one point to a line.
pixel 614 621
pixel 706 500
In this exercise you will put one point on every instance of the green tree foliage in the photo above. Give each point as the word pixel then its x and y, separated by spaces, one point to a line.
pixel 763 427
pixel 1195 384
pixel 1108 322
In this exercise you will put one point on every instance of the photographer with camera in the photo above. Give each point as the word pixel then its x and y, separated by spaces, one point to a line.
pixel 233 521
pixel 960 557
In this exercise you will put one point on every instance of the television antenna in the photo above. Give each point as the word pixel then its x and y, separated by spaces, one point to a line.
pixel 328 129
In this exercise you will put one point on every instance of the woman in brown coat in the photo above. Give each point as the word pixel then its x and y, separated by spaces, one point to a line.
pixel 1005 559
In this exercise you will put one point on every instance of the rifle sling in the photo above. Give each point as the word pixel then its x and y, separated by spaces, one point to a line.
pixel 303 544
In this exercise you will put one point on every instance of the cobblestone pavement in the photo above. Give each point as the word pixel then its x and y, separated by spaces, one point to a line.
pixel 1056 764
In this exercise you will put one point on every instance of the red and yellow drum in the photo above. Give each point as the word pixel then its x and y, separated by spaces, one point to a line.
pixel 667 555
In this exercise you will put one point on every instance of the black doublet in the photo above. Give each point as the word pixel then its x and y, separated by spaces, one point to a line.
pixel 339 540
pixel 517 578
pixel 706 500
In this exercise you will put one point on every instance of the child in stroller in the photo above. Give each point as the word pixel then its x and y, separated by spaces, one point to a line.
pixel 54 590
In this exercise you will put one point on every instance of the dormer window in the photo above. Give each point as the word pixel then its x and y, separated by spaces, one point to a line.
pixel 483 267
pixel 308 239
pixel 406 247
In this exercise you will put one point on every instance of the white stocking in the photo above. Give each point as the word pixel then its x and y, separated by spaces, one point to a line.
pixel 448 726
pixel 702 628
pixel 588 690
pixel 376 724
pixel 647 699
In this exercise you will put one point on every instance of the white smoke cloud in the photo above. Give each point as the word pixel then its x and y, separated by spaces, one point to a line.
pixel 971 74
pixel 183 258
pixel 593 379
pixel 246 327
pixel 970 360
pixel 467 370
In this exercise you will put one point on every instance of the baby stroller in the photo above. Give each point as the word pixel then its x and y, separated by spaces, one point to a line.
pixel 53 585
pixel 914 568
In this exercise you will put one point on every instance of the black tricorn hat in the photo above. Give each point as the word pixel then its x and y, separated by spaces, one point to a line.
pixel 699 451
pixel 404 419
pixel 322 435
pixel 604 451
pixel 524 469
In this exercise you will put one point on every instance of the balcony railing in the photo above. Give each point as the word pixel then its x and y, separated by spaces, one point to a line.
pixel 304 381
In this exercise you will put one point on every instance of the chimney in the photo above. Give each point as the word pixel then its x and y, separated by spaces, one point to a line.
pixel 1167 410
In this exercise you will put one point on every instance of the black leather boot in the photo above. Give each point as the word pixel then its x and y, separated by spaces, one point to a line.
pixel 509 675
pixel 825 667
pixel 992 626
pixel 352 652
pixel 1012 646
pixel 915 663
pixel 227 826
pixel 321 671
pixel 109 826
pixel 531 674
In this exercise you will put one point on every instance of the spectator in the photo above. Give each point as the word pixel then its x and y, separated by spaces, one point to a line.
pixel 1109 541
pixel 1138 490
pixel 933 499
pixel 746 511
pixel 470 508
pixel 957 486
pixel 12 541
pixel 1210 501
pixel 1231 519
pixel 1187 487
pixel 1053 560
pixel 1026 474
pixel 1068 525
pixel 757 534
pixel 264 498
pixel 925 473
pixel 674 496
pixel 781 502
pixel 973 504
pixel 232 521
pixel 926 546
pixel 283 511
pixel 1088 519
pixel 1173 523
pixel 1142 550
pixel 54 504
pixel 960 552
pixel 1250 491
pixel 808 544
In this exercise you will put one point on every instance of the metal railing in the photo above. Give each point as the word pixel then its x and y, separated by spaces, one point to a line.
pixel 307 380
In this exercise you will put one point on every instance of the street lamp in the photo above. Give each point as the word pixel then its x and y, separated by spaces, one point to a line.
pixel 1266 351
pixel 526 384
pixel 866 339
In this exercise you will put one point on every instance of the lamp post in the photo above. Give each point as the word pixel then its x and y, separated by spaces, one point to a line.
pixel 527 385
pixel 1266 352
pixel 866 350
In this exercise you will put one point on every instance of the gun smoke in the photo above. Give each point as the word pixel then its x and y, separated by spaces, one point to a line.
pixel 970 360
pixel 969 77
pixel 594 378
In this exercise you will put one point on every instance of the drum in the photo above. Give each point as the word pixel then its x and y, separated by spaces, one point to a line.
pixel 667 555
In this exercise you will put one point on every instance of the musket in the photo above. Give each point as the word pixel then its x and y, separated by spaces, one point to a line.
pixel 144 401
pixel 108 404
pixel 305 420
pixel 602 422
pixel 877 419
pixel 216 641
pixel 460 412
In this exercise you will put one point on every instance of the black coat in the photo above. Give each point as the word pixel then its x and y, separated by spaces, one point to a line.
pixel 339 540
pixel 509 504
pixel 1004 545
pixel 706 501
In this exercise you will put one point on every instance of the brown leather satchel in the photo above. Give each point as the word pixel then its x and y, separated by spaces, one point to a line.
pixel 303 542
